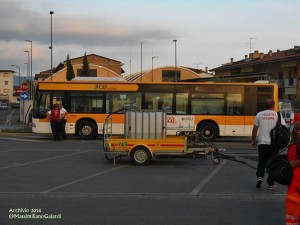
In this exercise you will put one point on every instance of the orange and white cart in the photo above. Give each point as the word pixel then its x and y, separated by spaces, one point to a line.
pixel 145 138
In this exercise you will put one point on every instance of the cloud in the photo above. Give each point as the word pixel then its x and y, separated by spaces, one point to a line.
pixel 70 30
pixel 208 32
pixel 71 34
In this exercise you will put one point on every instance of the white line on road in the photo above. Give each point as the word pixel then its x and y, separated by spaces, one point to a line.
pixel 198 188
pixel 10 150
pixel 20 139
pixel 119 196
pixel 41 160
pixel 82 179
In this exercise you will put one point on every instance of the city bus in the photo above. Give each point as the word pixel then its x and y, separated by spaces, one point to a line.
pixel 214 109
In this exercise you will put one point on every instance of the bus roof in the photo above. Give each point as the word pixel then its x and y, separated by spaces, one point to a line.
pixel 99 79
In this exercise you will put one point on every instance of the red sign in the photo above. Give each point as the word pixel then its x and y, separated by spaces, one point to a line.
pixel 24 86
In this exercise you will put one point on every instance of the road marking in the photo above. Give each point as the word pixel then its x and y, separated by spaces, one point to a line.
pixel 82 179
pixel 10 150
pixel 19 139
pixel 41 160
pixel 118 196
pixel 198 188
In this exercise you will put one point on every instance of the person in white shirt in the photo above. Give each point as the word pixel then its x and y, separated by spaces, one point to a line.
pixel 63 121
pixel 264 122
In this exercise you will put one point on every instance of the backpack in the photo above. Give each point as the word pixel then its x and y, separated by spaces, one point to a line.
pixel 279 168
pixel 55 114
pixel 280 135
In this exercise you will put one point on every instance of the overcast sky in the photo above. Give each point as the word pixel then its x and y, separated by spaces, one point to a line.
pixel 208 32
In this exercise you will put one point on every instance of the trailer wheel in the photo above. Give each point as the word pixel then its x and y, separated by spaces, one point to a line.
pixel 109 158
pixel 216 160
pixel 140 156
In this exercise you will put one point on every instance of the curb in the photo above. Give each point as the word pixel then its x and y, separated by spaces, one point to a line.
pixel 13 134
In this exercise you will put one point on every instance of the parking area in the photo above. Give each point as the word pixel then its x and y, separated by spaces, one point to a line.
pixel 72 181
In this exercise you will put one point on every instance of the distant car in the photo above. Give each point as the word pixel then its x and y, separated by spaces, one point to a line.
pixel 15 105
pixel 3 106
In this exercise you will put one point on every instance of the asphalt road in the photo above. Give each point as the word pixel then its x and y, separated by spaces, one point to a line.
pixel 72 181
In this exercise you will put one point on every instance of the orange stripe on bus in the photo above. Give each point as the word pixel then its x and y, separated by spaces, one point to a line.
pixel 166 145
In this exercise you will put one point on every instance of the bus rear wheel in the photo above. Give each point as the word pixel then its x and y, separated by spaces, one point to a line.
pixel 209 131
pixel 140 156
pixel 87 130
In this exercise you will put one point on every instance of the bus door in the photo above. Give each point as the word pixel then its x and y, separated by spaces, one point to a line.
pixel 234 117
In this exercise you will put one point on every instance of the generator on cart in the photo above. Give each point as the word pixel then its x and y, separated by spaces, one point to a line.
pixel 145 137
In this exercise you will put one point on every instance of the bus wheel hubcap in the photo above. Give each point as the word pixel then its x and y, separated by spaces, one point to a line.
pixel 207 133
pixel 86 130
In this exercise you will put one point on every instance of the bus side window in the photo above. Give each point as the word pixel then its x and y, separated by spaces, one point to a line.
pixel 234 104
pixel 159 101
pixel 80 108
pixel 181 103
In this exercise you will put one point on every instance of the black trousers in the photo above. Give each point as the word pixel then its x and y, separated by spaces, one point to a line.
pixel 56 129
pixel 265 152
pixel 63 128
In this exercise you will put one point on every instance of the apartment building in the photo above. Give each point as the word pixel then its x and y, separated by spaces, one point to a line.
pixel 7 86
pixel 281 66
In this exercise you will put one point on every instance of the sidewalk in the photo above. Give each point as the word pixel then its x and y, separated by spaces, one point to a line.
pixel 17 129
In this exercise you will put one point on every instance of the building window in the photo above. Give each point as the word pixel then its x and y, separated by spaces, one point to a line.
pixel 170 75
pixel 92 72
pixel 6 82
pixel 291 78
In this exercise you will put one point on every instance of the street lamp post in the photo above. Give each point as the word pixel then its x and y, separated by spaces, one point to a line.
pixel 27 65
pixel 19 74
pixel 175 41
pixel 141 60
pixel 30 82
pixel 153 57
pixel 51 47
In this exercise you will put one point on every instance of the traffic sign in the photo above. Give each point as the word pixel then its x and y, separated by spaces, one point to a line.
pixel 24 86
pixel 24 96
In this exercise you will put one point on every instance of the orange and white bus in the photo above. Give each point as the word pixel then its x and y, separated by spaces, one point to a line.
pixel 215 109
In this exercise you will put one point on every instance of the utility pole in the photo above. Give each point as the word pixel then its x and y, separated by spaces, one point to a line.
pixel 141 61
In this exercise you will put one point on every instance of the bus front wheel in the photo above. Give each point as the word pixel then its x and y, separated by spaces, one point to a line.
pixel 209 131
pixel 87 130
pixel 140 156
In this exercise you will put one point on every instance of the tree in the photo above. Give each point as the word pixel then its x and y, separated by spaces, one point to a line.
pixel 70 72
pixel 85 67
